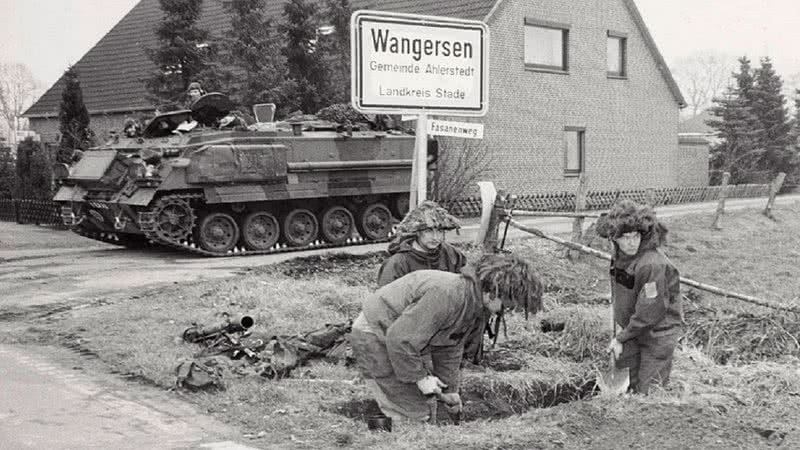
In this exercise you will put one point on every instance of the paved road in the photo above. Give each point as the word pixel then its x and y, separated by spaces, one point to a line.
pixel 45 403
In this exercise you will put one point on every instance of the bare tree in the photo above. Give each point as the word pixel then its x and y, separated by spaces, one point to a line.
pixel 17 93
pixel 701 77
pixel 461 163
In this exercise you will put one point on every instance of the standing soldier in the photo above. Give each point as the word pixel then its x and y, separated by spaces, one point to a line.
pixel 645 288
pixel 420 244
pixel 409 338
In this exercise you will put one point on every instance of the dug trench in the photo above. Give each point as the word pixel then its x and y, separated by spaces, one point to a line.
pixel 559 361
pixel 493 399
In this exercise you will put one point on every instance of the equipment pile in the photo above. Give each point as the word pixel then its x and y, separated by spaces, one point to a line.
pixel 231 348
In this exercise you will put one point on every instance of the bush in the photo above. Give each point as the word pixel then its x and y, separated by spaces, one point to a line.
pixel 34 171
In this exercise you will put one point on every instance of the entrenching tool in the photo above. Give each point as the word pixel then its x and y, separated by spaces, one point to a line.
pixel 614 381
pixel 447 399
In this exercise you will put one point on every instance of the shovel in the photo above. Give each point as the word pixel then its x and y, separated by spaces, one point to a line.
pixel 614 381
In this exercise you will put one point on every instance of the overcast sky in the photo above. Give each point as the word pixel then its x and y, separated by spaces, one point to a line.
pixel 48 35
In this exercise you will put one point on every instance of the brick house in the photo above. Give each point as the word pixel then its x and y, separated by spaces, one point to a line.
pixel 575 87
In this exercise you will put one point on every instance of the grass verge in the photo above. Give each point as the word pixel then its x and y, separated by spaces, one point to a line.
pixel 735 378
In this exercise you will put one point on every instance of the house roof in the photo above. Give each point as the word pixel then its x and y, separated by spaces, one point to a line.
pixel 118 63
pixel 697 124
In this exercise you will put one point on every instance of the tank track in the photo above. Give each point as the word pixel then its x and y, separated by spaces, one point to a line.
pixel 102 236
pixel 187 245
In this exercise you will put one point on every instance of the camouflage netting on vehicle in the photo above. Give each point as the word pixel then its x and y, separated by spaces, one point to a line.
pixel 427 216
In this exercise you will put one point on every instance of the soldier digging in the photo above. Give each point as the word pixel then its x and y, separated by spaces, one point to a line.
pixel 645 289
pixel 409 339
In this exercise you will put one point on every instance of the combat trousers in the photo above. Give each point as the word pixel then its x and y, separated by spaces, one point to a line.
pixel 649 358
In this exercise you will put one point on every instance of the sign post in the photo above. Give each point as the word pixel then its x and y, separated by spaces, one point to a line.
pixel 421 159
pixel 419 65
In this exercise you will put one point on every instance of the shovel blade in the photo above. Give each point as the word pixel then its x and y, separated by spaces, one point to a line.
pixel 614 381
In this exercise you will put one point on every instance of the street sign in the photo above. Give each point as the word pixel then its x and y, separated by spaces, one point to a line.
pixel 467 130
pixel 413 64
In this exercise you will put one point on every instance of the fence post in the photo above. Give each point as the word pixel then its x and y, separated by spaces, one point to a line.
pixel 17 217
pixel 723 192
pixel 650 197
pixel 491 237
pixel 774 187
pixel 577 223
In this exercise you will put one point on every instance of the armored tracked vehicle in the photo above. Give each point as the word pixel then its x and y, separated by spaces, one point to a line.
pixel 193 181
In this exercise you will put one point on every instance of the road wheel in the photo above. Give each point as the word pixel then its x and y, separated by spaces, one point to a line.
pixel 260 231
pixel 218 233
pixel 300 228
pixel 374 221
pixel 337 224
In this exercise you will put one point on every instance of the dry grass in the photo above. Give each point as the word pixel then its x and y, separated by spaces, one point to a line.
pixel 753 255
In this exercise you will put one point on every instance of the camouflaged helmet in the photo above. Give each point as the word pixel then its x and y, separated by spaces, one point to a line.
pixel 427 216
pixel 626 216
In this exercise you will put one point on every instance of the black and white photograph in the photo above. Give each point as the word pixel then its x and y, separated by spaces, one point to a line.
pixel 399 224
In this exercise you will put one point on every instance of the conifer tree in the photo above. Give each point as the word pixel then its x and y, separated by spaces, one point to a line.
pixel 73 118
pixel 254 69
pixel 305 66
pixel 335 48
pixel 33 170
pixel 796 121
pixel 768 105
pixel 184 53
pixel 737 128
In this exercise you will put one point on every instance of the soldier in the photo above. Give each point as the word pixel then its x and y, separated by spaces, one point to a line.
pixel 132 128
pixel 409 338
pixel 645 288
pixel 194 92
pixel 420 244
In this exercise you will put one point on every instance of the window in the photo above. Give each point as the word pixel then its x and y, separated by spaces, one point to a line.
pixel 616 58
pixel 574 146
pixel 546 45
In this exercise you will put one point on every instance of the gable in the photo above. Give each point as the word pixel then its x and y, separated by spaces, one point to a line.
pixel 641 27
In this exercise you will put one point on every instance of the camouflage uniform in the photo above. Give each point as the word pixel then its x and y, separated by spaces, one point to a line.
pixel 413 327
pixel 417 326
pixel 405 258
pixel 645 288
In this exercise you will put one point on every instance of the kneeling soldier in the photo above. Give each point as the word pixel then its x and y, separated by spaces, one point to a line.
pixel 409 338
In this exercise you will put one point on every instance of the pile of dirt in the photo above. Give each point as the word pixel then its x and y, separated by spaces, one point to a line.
pixel 354 270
